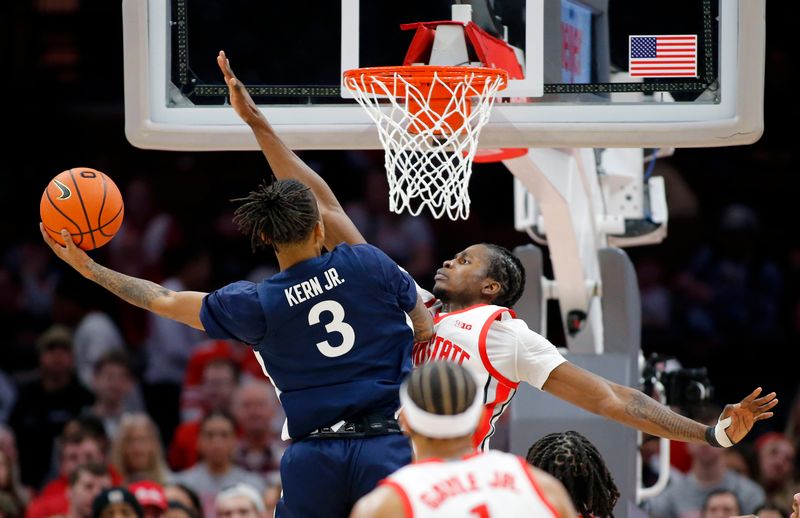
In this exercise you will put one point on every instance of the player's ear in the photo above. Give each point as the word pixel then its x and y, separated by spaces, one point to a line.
pixel 490 288
pixel 319 232
pixel 404 424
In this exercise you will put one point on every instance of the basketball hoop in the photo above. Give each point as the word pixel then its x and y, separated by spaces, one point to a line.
pixel 429 128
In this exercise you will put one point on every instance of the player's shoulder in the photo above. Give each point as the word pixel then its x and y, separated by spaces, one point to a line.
pixel 507 322
pixel 239 289
pixel 362 252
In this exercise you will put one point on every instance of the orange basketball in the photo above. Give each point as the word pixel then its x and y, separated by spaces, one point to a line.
pixel 86 203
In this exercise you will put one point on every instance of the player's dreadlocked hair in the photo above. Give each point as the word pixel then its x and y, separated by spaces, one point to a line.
pixel 507 269
pixel 573 460
pixel 284 211
pixel 442 388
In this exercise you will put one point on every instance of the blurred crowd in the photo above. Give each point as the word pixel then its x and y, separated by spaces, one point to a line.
pixel 95 393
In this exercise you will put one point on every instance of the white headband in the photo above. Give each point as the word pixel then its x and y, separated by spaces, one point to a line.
pixel 439 426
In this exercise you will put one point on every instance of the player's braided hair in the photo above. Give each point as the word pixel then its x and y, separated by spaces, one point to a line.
pixel 507 269
pixel 572 459
pixel 442 388
pixel 284 211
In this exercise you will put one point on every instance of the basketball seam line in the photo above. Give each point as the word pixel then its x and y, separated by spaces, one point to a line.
pixel 103 203
pixel 107 223
pixel 99 229
pixel 47 191
pixel 83 207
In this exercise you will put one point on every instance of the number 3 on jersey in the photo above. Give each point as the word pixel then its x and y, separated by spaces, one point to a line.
pixel 336 325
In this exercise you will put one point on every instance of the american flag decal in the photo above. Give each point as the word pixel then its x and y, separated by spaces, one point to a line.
pixel 663 56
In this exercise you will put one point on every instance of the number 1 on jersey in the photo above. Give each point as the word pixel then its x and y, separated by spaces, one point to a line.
pixel 337 325
pixel 481 511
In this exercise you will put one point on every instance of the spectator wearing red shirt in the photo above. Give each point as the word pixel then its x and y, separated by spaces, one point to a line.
pixel 220 379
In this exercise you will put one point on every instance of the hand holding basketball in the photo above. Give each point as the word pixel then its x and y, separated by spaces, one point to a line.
pixel 84 201
pixel 69 253
pixel 241 101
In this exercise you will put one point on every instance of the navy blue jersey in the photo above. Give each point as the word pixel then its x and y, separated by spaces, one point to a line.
pixel 331 333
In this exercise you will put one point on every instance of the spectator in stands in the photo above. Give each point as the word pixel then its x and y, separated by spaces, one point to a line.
pixel 85 483
pixel 721 503
pixel 771 511
pixel 137 452
pixel 792 431
pixel 685 495
pixel 183 502
pixel 45 404
pixel 776 463
pixel 240 501
pixel 731 297
pixel 8 449
pixel 84 308
pixel 739 458
pixel 113 383
pixel 193 407
pixel 76 448
pixel 575 462
pixel 10 484
pixel 116 502
pixel 259 450
pixel 151 498
pixel 216 470
pixel 170 343
pixel 9 508
pixel 220 379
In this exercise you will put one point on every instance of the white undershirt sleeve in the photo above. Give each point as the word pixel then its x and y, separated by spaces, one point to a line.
pixel 520 354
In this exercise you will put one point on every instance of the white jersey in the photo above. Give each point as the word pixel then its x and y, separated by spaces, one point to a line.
pixel 498 348
pixel 478 486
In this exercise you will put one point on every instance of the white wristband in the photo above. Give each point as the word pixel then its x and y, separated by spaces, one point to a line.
pixel 719 432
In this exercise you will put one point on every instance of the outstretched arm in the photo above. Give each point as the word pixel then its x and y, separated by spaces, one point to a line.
pixel 182 306
pixel 634 408
pixel 286 164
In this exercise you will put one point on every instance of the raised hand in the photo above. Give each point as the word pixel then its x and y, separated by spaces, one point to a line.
pixel 241 101
pixel 746 412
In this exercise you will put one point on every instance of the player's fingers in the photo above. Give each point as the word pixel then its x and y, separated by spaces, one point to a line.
pixel 67 239
pixel 752 395
pixel 764 399
pixel 225 65
pixel 761 417
pixel 768 405
pixel 47 239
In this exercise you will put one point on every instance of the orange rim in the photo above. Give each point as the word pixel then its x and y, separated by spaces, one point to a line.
pixel 423 75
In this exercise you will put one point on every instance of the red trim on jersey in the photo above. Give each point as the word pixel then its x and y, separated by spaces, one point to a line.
pixel 485 357
pixel 536 487
pixel 409 511
pixel 485 424
pixel 438 318
pixel 430 460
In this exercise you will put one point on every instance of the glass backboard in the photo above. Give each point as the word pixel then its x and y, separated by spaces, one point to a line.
pixel 596 73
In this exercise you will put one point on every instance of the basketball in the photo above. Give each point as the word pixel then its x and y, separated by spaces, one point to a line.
pixel 84 201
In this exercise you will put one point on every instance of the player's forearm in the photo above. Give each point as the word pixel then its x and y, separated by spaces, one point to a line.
pixel 139 292
pixel 286 164
pixel 422 321
pixel 640 411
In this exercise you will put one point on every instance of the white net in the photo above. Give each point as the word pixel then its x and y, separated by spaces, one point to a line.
pixel 429 124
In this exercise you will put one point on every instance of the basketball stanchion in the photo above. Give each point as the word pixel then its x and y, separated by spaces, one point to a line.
pixel 429 119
